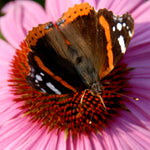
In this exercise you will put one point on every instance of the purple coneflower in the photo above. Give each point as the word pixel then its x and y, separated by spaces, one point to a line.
pixel 30 119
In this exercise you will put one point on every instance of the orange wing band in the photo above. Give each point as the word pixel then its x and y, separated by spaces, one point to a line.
pixel 106 27
pixel 57 78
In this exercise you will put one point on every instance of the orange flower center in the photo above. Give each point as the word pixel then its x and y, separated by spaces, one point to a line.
pixel 66 112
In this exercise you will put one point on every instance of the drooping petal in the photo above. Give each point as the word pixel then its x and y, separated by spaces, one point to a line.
pixel 10 27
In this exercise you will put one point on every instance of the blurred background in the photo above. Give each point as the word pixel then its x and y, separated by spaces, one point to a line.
pixel 3 2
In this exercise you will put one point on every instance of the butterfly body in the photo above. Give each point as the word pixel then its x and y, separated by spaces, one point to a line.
pixel 79 50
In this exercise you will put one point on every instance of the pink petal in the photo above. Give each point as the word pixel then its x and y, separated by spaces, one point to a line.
pixel 17 132
pixel 52 140
pixel 142 33
pixel 7 7
pixel 20 17
pixel 6 51
pixel 139 72
pixel 104 4
pixel 38 140
pixel 97 141
pixel 64 5
pixel 135 51
pixel 140 118
pixel 118 140
pixel 70 142
pixel 10 26
pixel 142 26
pixel 119 7
pixel 140 112
pixel 139 48
pixel 93 3
pixel 6 54
pixel 61 141
pixel 80 143
pixel 56 8
pixel 87 143
pixel 41 142
pixel 8 108
pixel 8 113
pixel 108 140
pixel 143 60
pixel 141 14
pixel 142 83
pixel 127 128
pixel 34 14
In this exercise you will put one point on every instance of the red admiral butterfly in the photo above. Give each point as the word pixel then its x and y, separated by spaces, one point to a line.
pixel 77 51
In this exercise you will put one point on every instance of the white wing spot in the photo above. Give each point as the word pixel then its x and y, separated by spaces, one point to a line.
pixel 38 77
pixel 52 87
pixel 36 81
pixel 42 90
pixel 124 24
pixel 41 73
pixel 114 28
pixel 122 44
pixel 119 26
pixel 130 33
pixel 127 27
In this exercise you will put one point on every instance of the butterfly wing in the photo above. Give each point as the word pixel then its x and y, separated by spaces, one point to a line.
pixel 80 49
pixel 99 38
pixel 117 32
pixel 50 71
pixel 79 26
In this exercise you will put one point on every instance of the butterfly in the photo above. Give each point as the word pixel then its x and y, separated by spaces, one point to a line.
pixel 77 51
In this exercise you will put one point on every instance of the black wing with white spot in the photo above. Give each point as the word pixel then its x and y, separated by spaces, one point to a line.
pixel 79 50
pixel 45 79
pixel 117 32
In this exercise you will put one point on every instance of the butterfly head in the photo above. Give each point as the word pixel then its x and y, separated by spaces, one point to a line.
pixel 96 88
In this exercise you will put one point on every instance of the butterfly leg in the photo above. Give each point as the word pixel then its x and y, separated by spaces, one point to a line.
pixel 81 100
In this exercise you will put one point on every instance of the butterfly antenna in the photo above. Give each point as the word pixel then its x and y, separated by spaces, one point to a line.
pixel 135 98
